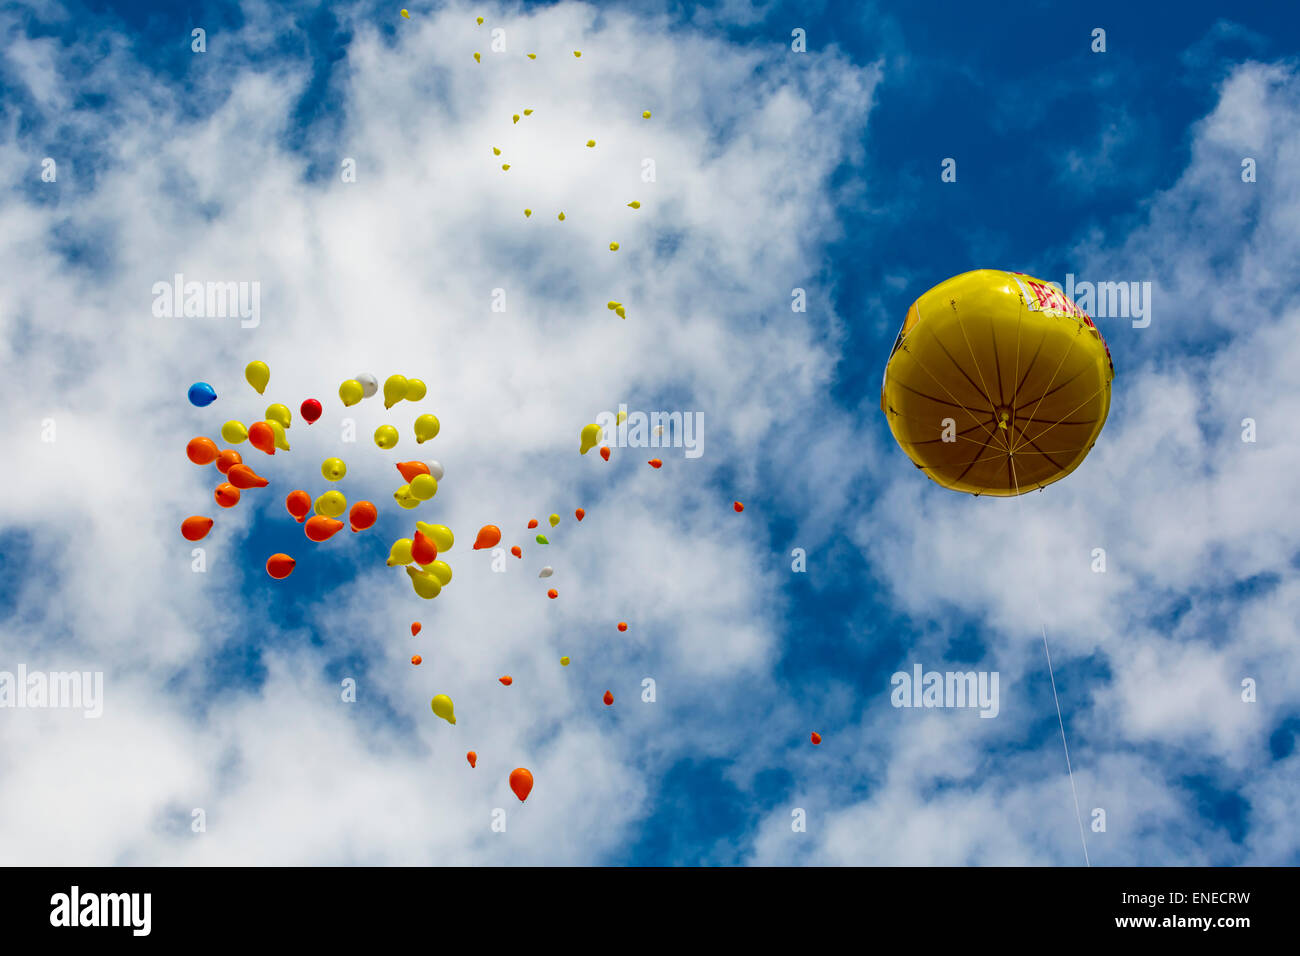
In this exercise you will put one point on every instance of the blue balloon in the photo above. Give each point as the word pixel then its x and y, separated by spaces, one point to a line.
pixel 201 394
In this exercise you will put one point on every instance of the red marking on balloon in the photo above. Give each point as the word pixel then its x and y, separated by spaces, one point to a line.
pixel 241 476
pixel 196 527
pixel 489 536
pixel 552 594
pixel 299 504
pixel 739 507
pixel 262 437
pixel 412 469
pixel 609 699
pixel 532 524
pixel 816 738
pixel 227 459
pixel 423 551
pixel 580 514
pixel 472 757
pixel 655 463
pixel 604 452
pixel 310 410
pixel 280 566
pixel 416 628
pixel 507 680
pixel 622 625
pixel 227 495
pixel 362 515
pixel 521 782
pixel 201 451
pixel 321 528
pixel 416 659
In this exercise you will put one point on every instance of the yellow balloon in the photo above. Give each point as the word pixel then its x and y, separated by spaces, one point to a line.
pixel 590 435
pixel 645 115
pixel 515 118
pixel 281 439
pixel 234 432
pixel 394 390
pixel 478 58
pixel 426 427
pixel 527 213
pixel 634 204
pixel 333 469
pixel 591 143
pixel 618 419
pixel 386 436
pixel 443 707
pixel 621 312
pixel 425 584
pixel 403 494
pixel 564 661
pixel 351 392
pixel 442 571
pixel 560 217
pixel 613 247
pixel 279 413
pixel 331 504
pixel 257 374
pixel 424 487
pixel 415 390
pixel 400 553
pixel 439 534
pixel 554 519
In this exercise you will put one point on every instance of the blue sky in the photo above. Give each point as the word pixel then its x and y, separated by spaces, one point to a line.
pixel 778 170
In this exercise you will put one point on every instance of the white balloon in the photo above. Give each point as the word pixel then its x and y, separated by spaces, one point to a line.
pixel 546 572
pixel 369 384
pixel 435 469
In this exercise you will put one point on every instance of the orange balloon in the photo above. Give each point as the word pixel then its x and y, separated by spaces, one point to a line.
pixel 655 463
pixel 241 476
pixel 423 551
pixel 489 536
pixel 262 436
pixel 816 738
pixel 416 659
pixel 622 625
pixel 532 524
pixel 507 680
pixel 280 566
pixel 739 507
pixel 227 459
pixel 362 515
pixel 552 594
pixel 299 504
pixel 227 495
pixel 196 527
pixel 521 782
pixel 580 514
pixel 604 452
pixel 472 757
pixel 415 628
pixel 412 469
pixel 201 451
pixel 609 699
pixel 321 528
pixel 517 552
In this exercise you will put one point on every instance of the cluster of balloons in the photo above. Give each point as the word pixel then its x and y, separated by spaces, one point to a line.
pixel 419 555
pixel 421 478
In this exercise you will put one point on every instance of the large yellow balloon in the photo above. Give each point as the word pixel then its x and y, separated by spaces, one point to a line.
pixel 394 390
pixel 386 436
pixel 415 390
pixel 404 498
pixel 443 707
pixel 281 439
pixel 426 427
pixel 442 571
pixel 400 553
pixel 590 435
pixel 234 432
pixel 997 384
pixel 279 413
pixel 424 487
pixel 333 469
pixel 331 504
pixel 257 374
pixel 351 392
pixel 426 585
pixel 439 534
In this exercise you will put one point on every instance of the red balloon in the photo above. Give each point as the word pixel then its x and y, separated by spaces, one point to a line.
pixel 653 463
pixel 321 528
pixel 241 476
pixel 415 628
pixel 507 680
pixel 201 451
pixel 416 659
pixel 609 699
pixel 423 551
pixel 227 495
pixel 489 536
pixel 580 514
pixel 532 524
pixel 262 437
pixel 228 459
pixel 622 625
pixel 280 566
pixel 362 515
pixel 552 594
pixel 521 782
pixel 310 410
pixel 196 527
pixel 604 452
pixel 299 504
pixel 472 757
pixel 816 738
pixel 739 507
pixel 517 551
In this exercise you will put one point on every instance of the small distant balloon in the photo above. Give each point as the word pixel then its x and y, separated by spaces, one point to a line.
pixel 416 627
pixel 604 452
pixel 552 594
pixel 472 757
pixel 609 699
pixel 362 515
pixel 443 707
pixel 554 520
pixel 622 625
pixel 738 506
pixel 645 114
pixel 507 680
pixel 298 504
pixel 541 539
pixel 521 782
pixel 369 384
pixel 546 572
pixel 655 463
pixel 816 738
pixel 589 436
pixel 201 394
pixel 415 659
pixel 489 536
pixel 580 514
pixel 257 375
pixel 564 662
pixel 310 410
pixel 532 523
pixel 201 451
pixel 196 527
pixel 280 566
pixel 517 551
